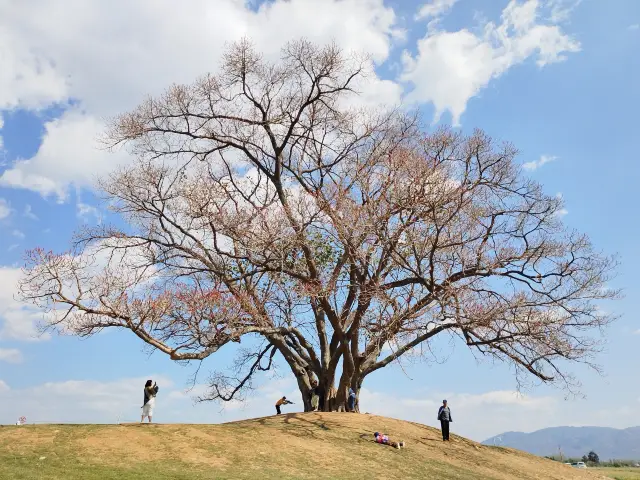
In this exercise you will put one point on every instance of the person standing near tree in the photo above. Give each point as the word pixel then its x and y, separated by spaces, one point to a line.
pixel 444 415
pixel 150 392
pixel 352 400
pixel 315 396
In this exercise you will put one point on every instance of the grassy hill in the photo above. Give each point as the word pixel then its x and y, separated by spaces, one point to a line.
pixel 312 445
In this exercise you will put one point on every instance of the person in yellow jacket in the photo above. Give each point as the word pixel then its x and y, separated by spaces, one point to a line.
pixel 282 401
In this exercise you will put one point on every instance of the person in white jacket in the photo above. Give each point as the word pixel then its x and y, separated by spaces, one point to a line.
pixel 150 392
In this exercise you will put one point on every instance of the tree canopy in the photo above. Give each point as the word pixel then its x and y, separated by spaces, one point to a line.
pixel 263 202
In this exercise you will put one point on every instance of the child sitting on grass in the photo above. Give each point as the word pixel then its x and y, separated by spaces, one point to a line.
pixel 385 440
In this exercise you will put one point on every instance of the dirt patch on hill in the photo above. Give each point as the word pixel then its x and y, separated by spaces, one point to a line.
pixel 148 443
pixel 26 438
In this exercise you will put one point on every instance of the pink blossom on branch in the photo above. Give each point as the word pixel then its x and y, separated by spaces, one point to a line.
pixel 260 205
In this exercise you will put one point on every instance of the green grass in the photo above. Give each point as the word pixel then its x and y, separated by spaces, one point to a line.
pixel 318 446
pixel 622 473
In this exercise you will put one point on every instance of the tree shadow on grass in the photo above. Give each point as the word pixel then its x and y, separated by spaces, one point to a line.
pixel 299 424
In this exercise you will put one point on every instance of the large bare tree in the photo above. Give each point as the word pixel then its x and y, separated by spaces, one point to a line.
pixel 263 204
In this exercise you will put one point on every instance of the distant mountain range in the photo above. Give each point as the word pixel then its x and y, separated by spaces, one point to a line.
pixel 608 443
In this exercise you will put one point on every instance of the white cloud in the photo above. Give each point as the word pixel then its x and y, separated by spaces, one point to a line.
pixel 450 68
pixel 10 355
pixel 501 398
pixel 95 401
pixel 69 155
pixel 477 416
pixel 635 26
pixel 561 9
pixel 28 213
pixel 107 75
pixel 17 319
pixel 17 234
pixel 637 332
pixel 133 49
pixel 77 400
pixel 85 211
pixel 27 79
pixel 5 208
pixel 1 140
pixel 562 211
pixel 434 9
pixel 482 415
pixel 544 159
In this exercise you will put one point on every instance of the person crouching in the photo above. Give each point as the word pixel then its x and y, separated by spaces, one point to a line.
pixel 281 402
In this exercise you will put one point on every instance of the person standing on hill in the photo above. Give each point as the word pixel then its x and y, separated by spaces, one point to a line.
pixel 150 392
pixel 352 400
pixel 282 401
pixel 444 415
pixel 315 396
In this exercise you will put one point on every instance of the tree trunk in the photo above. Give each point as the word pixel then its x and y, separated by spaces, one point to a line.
pixel 304 385
pixel 333 399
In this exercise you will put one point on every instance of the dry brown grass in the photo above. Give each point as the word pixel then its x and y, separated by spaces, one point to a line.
pixel 312 445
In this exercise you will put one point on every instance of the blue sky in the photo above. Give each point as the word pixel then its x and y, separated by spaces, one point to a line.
pixel 558 78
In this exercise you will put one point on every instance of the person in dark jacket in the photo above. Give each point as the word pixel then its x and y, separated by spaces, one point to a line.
pixel 320 392
pixel 444 415
pixel 150 392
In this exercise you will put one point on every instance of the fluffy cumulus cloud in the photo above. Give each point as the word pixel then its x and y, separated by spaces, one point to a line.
pixel 434 9
pixel 105 57
pixel 112 54
pixel 477 416
pixel 482 415
pixel 449 68
pixel 76 401
pixel 101 58
pixel 27 78
pixel 69 155
pixel 90 401
pixel 17 320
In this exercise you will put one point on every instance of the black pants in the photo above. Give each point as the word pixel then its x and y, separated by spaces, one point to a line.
pixel 278 409
pixel 445 429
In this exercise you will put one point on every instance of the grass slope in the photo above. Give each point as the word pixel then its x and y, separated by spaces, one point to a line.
pixel 311 445
pixel 621 473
